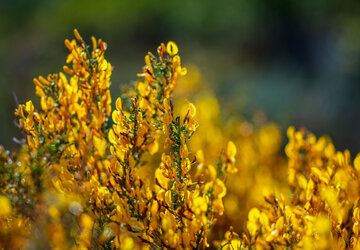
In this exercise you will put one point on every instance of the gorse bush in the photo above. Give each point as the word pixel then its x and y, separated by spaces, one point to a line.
pixel 160 172
pixel 77 183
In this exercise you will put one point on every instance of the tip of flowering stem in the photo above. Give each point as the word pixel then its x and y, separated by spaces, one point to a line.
pixel 68 44
pixel 77 35
pixel 37 83
pixel 94 43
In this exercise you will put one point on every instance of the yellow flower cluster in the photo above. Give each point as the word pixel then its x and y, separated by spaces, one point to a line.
pixel 159 172
pixel 90 177
pixel 259 168
pixel 323 209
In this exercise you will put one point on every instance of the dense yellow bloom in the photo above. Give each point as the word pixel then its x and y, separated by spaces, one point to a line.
pixel 74 161
pixel 322 211
pixel 157 172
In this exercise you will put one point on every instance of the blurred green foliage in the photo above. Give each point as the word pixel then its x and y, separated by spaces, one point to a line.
pixel 296 60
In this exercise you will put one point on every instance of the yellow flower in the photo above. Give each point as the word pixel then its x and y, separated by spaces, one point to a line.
pixel 172 48
pixel 100 145
pixel 219 189
pixel 199 205
pixel 127 244
pixel 5 206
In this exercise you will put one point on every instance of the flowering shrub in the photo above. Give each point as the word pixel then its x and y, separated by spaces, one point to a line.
pixel 323 209
pixel 78 181
pixel 146 175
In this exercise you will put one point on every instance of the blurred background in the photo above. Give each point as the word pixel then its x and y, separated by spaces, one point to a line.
pixel 297 61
